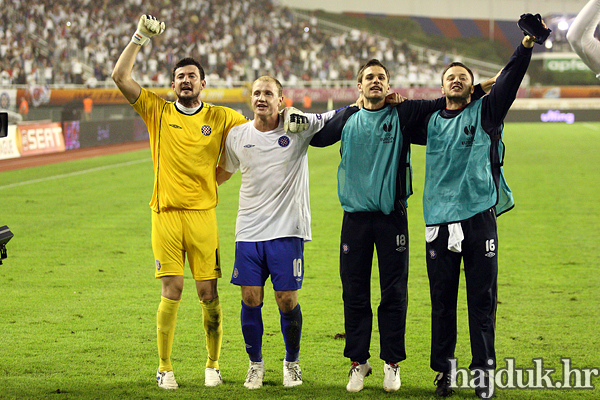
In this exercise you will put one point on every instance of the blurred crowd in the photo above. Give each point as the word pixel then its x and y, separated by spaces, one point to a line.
pixel 77 42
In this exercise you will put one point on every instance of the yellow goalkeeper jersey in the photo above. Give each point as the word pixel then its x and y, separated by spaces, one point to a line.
pixel 185 151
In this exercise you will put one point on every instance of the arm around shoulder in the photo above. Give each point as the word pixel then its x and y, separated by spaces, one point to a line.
pixel 486 86
pixel 332 130
pixel 222 175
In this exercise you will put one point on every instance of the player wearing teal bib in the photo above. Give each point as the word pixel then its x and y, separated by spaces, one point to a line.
pixel 374 183
pixel 464 192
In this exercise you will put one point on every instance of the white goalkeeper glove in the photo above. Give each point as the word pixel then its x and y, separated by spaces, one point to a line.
pixel 147 27
pixel 294 120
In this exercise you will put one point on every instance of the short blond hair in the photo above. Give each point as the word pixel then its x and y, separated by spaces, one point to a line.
pixel 267 78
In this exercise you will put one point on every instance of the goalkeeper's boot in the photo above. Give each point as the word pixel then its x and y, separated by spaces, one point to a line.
pixel 212 377
pixel 166 380
pixel 357 375
pixel 391 377
pixel 292 375
pixel 255 375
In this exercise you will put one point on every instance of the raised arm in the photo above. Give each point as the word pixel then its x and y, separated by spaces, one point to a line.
pixel 148 26
pixel 581 35
pixel 122 73
pixel 504 92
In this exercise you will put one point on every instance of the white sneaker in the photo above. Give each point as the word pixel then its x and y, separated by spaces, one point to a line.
pixel 291 374
pixel 166 380
pixel 357 375
pixel 255 375
pixel 212 377
pixel 391 377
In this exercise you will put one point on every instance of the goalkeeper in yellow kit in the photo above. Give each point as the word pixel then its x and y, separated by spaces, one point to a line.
pixel 186 139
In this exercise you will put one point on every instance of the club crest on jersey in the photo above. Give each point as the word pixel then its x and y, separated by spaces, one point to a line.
pixel 284 141
pixel 158 266
pixel 206 130
pixel 236 273
pixel 432 254
pixel 345 248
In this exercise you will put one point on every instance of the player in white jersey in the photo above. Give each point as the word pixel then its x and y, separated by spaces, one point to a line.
pixel 581 35
pixel 273 221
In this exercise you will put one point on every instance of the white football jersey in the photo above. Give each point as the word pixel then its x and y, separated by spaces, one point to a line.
pixel 274 198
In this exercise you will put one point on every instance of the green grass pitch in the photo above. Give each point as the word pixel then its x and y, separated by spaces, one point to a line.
pixel 79 298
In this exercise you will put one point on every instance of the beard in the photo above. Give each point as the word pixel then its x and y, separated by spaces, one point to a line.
pixel 458 97
pixel 187 99
pixel 462 96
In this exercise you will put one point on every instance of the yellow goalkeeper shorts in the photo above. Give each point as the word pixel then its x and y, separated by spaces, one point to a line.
pixel 177 233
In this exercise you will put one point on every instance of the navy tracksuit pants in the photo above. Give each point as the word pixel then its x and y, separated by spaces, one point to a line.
pixel 480 257
pixel 361 233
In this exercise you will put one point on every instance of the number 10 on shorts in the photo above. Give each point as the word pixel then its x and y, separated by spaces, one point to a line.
pixel 298 267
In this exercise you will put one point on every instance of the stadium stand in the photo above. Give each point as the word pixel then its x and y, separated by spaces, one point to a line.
pixel 504 31
pixel 76 43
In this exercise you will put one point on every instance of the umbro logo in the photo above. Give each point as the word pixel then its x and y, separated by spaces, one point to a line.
pixel 400 249
pixel 469 130
pixel 175 126
pixel 248 146
pixel 490 254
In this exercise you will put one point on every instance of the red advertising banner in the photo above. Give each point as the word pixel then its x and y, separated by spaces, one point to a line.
pixel 40 138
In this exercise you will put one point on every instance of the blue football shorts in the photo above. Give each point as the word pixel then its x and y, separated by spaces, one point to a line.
pixel 282 259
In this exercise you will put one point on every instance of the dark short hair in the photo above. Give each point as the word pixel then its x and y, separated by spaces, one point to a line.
pixel 188 61
pixel 372 62
pixel 458 64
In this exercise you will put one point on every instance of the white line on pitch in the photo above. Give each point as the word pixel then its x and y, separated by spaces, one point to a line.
pixel 592 127
pixel 85 171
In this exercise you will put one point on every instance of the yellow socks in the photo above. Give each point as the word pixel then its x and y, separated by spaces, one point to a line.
pixel 213 327
pixel 166 319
